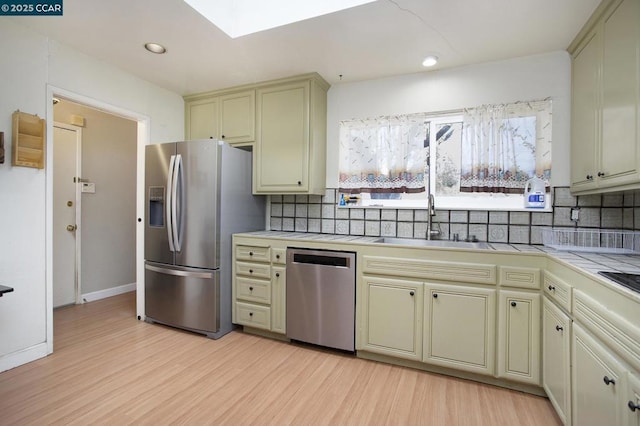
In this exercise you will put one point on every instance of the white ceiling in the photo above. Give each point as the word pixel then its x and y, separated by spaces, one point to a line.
pixel 383 38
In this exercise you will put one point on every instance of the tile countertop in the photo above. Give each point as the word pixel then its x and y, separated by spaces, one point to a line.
pixel 587 262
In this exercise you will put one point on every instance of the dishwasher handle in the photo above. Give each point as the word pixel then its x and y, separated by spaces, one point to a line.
pixel 335 260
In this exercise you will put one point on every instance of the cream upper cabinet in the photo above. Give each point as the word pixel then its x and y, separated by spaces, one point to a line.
pixel 598 382
pixel 290 151
pixel 519 336
pixel 605 142
pixel 556 353
pixel 238 117
pixel 584 114
pixel 202 119
pixel 459 327
pixel 392 323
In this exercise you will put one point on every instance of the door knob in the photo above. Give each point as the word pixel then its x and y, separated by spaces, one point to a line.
pixel 72 228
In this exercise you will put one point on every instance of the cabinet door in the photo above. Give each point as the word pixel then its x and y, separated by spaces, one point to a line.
pixel 633 401
pixel 585 114
pixel 238 117
pixel 597 384
pixel 282 143
pixel 519 336
pixel 621 93
pixel 459 325
pixel 392 317
pixel 278 299
pixel 202 119
pixel 556 358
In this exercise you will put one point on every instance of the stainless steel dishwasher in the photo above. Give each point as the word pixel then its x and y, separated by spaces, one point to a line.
pixel 321 297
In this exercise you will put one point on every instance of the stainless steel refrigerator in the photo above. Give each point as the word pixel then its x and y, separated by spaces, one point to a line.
pixel 198 193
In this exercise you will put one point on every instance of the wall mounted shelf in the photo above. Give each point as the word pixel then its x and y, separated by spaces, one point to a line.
pixel 28 140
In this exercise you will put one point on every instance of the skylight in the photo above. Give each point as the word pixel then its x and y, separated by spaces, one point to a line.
pixel 241 17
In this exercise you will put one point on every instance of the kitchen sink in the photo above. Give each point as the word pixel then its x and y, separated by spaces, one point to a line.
pixel 434 243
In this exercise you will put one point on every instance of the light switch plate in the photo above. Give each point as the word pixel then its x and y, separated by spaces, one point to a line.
pixel 575 214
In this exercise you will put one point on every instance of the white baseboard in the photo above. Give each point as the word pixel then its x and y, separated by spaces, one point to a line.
pixel 114 291
pixel 23 356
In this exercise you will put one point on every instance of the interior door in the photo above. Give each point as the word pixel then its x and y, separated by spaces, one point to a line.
pixel 66 215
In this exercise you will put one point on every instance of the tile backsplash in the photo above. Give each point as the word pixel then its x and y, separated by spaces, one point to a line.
pixel 320 214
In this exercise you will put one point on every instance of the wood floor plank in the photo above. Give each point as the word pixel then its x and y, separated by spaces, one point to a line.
pixel 109 368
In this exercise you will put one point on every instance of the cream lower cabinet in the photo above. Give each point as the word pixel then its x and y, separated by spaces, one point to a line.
pixel 556 353
pixel 459 327
pixel 598 382
pixel 633 401
pixel 392 317
pixel 519 336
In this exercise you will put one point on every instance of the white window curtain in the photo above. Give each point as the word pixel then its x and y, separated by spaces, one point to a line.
pixel 503 146
pixel 384 154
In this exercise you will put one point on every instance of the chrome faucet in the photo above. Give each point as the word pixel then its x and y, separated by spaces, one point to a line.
pixel 431 206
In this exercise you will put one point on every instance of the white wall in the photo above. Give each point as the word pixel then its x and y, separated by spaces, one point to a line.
pixel 521 79
pixel 31 63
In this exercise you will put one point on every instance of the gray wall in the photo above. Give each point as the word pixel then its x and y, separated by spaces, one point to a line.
pixel 109 216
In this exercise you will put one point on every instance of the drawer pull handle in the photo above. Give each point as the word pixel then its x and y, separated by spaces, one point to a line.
pixel 277 274
pixel 608 381
pixel 250 253
pixel 514 304
pixel 600 174
pixel 411 293
pixel 250 288
pixel 552 288
pixel 589 177
pixel 633 406
pixel 250 314
pixel 558 328
pixel 435 295
pixel 251 271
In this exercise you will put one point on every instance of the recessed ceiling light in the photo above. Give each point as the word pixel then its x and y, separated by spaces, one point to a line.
pixel 430 61
pixel 155 48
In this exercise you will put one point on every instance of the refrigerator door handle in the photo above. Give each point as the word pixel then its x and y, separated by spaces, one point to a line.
pixel 169 202
pixel 179 273
pixel 177 203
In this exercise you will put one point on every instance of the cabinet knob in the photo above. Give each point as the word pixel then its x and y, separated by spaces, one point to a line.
pixel 411 293
pixel 222 136
pixel 558 328
pixel 299 182
pixel 513 303
pixel 435 295
pixel 589 177
pixel 277 274
pixel 551 288
pixel 250 253
pixel 251 271
pixel 633 406
pixel 277 256
pixel 600 174
pixel 608 381
pixel 250 288
pixel 250 314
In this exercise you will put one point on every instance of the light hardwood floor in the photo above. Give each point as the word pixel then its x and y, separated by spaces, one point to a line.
pixel 109 368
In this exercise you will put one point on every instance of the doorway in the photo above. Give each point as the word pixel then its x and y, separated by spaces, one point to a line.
pixel 104 225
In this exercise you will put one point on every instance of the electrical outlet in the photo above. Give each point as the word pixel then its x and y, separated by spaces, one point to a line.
pixel 575 214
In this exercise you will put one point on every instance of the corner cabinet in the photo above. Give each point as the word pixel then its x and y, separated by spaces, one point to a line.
pixel 605 119
pixel 290 150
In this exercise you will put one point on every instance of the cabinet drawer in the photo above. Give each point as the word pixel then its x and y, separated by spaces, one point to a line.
pixel 257 254
pixel 253 315
pixel 557 290
pixel 279 256
pixel 511 276
pixel 257 270
pixel 253 290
